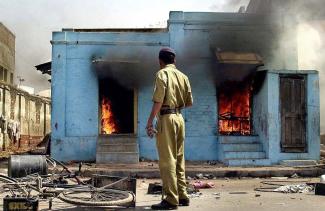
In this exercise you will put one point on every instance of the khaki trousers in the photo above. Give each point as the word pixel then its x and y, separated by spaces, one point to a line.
pixel 170 145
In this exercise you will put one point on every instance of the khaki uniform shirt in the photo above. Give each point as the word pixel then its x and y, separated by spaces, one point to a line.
pixel 172 88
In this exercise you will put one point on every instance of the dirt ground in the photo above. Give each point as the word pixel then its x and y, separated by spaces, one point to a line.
pixel 228 194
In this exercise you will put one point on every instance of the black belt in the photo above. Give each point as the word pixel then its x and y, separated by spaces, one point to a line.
pixel 169 111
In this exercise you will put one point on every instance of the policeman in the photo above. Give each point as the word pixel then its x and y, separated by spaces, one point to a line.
pixel 172 92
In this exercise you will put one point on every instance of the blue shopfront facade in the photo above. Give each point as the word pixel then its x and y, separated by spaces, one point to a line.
pixel 198 39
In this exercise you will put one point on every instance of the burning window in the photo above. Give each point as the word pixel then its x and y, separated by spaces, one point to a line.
pixel 116 108
pixel 234 108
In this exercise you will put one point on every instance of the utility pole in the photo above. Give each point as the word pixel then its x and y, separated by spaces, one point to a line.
pixel 20 79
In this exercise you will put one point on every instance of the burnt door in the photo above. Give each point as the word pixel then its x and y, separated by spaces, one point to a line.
pixel 293 113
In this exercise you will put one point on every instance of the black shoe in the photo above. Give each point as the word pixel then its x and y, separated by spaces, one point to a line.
pixel 164 205
pixel 184 202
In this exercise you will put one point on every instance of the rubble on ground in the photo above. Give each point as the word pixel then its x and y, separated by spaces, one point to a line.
pixel 201 184
pixel 301 188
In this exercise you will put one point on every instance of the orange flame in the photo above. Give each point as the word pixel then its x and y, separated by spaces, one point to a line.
pixel 109 125
pixel 234 110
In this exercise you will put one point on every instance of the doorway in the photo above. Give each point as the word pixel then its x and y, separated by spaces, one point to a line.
pixel 117 108
pixel 293 113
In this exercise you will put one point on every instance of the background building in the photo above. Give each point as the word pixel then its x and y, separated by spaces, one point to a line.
pixel 24 116
pixel 7 55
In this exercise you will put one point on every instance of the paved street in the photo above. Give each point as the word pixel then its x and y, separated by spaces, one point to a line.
pixel 245 198
pixel 228 195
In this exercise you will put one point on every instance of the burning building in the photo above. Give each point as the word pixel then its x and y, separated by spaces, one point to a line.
pixel 252 106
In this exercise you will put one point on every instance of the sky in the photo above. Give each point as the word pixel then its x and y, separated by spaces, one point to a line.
pixel 33 21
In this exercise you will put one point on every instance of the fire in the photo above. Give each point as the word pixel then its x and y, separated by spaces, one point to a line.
pixel 234 109
pixel 108 122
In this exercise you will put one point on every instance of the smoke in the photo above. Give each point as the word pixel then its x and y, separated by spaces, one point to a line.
pixel 300 44
pixel 228 6
pixel 310 18
pixel 33 22
pixel 131 66
pixel 140 71
pixel 311 53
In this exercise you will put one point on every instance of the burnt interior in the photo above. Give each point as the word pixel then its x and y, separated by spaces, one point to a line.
pixel 235 108
pixel 120 101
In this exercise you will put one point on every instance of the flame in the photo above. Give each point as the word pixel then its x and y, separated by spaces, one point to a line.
pixel 109 125
pixel 234 109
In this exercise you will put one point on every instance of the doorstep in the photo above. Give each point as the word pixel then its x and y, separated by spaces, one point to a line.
pixel 150 170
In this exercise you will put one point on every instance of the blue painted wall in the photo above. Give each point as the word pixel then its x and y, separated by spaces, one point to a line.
pixel 261 115
pixel 195 37
pixel 274 118
pixel 267 117
pixel 75 85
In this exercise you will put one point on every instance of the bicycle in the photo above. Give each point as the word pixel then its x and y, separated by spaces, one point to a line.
pixel 56 186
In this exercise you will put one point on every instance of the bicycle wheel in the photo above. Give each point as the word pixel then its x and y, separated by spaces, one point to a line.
pixel 5 179
pixel 8 184
pixel 96 197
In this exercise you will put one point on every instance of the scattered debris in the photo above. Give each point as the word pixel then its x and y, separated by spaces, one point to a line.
pixel 154 188
pixel 204 176
pixel 238 192
pixel 301 188
pixel 284 186
pixel 199 176
pixel 200 185
pixel 209 176
pixel 242 177
pixel 195 195
pixel 191 189
pixel 217 195
pixel 295 175
pixel 212 163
